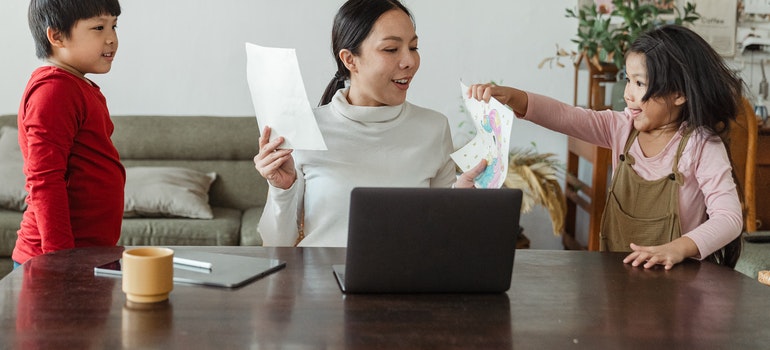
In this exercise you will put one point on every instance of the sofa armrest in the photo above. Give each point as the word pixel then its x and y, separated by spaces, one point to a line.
pixel 249 223
pixel 10 221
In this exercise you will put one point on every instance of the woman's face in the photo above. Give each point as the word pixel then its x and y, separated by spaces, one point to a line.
pixel 387 63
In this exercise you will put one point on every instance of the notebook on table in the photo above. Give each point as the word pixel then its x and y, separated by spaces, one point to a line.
pixel 226 270
pixel 428 240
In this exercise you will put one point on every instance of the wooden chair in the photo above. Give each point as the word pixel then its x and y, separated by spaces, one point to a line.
pixel 589 197
pixel 742 145
pixel 744 132
pixel 744 139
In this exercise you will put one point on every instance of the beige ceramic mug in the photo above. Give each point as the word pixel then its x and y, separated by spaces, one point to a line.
pixel 148 274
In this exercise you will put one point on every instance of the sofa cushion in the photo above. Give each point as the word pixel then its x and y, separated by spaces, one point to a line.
pixel 225 145
pixel 223 229
pixel 167 192
pixel 12 193
pixel 238 184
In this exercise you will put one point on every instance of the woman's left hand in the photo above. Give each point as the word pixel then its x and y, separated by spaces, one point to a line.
pixel 466 179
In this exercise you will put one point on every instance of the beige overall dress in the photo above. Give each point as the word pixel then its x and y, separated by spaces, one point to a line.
pixel 641 211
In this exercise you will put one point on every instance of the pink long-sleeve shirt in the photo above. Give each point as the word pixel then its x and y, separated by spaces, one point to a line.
pixel 709 207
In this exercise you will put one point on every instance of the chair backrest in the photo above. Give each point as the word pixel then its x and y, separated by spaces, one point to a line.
pixel 742 143
pixel 589 197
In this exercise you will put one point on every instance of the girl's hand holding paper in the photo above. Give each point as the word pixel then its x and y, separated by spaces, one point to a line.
pixel 493 123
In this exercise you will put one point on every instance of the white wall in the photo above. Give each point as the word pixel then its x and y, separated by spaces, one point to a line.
pixel 186 57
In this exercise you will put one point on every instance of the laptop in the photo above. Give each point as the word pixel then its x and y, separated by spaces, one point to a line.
pixel 429 240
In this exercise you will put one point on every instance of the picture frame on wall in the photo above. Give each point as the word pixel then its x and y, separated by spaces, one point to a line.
pixel 761 7
pixel 718 24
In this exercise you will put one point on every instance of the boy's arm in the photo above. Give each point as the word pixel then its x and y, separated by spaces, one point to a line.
pixel 48 127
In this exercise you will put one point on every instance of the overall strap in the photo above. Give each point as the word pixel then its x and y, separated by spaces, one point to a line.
pixel 624 158
pixel 630 140
pixel 675 169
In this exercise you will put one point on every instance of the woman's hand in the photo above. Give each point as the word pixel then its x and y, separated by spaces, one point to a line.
pixel 668 254
pixel 466 179
pixel 275 165
pixel 515 98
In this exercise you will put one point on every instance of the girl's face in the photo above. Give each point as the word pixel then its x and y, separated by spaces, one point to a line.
pixel 387 63
pixel 657 113
pixel 90 47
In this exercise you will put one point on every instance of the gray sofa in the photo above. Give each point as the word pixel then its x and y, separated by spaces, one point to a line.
pixel 224 145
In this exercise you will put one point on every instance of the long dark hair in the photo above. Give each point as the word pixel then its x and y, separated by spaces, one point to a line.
pixel 352 24
pixel 681 61
pixel 62 15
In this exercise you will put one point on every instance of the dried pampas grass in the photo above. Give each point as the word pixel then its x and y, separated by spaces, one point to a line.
pixel 536 175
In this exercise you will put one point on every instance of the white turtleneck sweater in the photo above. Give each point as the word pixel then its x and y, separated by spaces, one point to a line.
pixel 390 146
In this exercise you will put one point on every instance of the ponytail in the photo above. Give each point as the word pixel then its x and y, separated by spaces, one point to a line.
pixel 338 82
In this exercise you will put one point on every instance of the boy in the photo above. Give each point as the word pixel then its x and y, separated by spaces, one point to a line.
pixel 74 177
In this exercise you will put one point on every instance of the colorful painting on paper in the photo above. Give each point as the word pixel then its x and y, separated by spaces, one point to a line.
pixel 493 123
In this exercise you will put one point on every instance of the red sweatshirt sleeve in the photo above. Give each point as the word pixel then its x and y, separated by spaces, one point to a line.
pixel 46 137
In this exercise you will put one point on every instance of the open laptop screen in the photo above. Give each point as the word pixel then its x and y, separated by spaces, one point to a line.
pixel 427 240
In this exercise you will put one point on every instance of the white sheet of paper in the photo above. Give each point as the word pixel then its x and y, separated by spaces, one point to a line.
pixel 279 97
pixel 493 122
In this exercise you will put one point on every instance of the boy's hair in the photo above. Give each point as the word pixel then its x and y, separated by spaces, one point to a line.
pixel 61 15
pixel 681 61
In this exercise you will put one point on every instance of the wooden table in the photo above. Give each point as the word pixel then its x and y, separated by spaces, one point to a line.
pixel 558 300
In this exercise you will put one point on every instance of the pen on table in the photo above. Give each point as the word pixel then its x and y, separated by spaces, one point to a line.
pixel 193 263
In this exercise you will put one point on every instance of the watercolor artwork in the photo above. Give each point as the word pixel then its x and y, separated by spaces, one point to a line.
pixel 493 122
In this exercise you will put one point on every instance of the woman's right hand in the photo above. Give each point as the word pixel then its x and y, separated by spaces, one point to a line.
pixel 275 165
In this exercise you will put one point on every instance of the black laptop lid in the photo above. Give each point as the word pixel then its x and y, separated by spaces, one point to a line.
pixel 421 240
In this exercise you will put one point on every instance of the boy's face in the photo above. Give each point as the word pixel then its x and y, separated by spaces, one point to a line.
pixel 90 47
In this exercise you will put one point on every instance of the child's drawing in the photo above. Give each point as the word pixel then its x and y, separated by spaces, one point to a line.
pixel 493 129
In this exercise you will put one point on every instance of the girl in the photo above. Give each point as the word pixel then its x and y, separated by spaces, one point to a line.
pixel 374 137
pixel 672 194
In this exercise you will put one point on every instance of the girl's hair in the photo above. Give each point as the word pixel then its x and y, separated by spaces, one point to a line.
pixel 352 25
pixel 680 61
pixel 61 15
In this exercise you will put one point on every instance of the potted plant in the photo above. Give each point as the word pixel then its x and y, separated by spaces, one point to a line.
pixel 605 32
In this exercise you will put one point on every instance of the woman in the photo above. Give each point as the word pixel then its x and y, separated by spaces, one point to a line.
pixel 374 137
